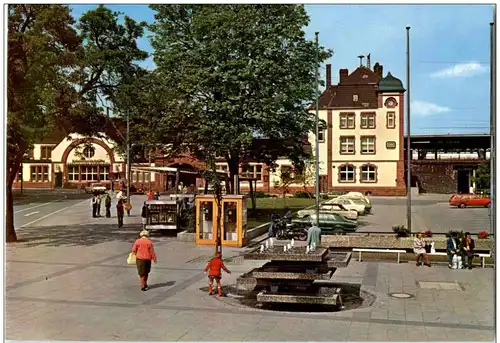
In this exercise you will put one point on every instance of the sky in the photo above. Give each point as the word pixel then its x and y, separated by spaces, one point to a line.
pixel 449 54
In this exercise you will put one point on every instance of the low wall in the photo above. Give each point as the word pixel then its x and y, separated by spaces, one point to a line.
pixel 257 231
pixel 185 236
pixel 391 242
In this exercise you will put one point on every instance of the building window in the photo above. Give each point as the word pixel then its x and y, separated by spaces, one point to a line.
pixel 347 120
pixel 355 98
pixel 223 168
pixel 89 173
pixel 368 173
pixel 45 152
pixel 73 173
pixel 347 173
pixel 286 172
pixel 347 145
pixel 391 120
pixel 146 177
pixel 39 174
pixel 89 152
pixel 367 120
pixel 321 136
pixel 254 171
pixel 368 145
pixel 103 173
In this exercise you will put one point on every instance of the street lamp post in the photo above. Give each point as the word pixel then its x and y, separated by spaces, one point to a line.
pixel 493 85
pixel 408 147
pixel 128 161
pixel 317 129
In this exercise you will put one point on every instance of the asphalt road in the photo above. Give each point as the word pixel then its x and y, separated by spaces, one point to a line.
pixel 33 206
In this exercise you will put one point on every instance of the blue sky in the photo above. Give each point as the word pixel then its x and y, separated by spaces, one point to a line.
pixel 449 51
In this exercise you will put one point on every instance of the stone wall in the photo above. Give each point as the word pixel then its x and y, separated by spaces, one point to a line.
pixel 436 177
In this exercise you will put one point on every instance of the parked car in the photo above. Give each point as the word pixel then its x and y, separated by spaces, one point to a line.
pixel 351 204
pixel 470 200
pixel 358 195
pixel 329 223
pixel 359 200
pixel 329 208
pixel 95 187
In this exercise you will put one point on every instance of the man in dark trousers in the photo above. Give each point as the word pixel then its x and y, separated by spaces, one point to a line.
pixel 94 205
pixel 107 203
pixel 98 210
pixel 120 212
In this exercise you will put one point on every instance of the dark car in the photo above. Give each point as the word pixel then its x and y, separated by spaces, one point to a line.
pixel 330 224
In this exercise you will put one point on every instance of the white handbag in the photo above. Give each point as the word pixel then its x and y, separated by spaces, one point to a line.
pixel 454 262
pixel 131 258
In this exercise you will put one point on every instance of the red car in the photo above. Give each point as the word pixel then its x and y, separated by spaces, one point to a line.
pixel 470 200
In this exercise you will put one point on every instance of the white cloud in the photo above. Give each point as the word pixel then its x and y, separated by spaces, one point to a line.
pixel 462 70
pixel 422 108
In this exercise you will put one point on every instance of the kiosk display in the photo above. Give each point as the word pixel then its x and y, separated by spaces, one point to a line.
pixel 230 221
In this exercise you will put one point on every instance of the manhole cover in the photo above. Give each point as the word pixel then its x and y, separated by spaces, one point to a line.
pixel 401 295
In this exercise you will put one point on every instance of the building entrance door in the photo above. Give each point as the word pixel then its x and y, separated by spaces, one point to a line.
pixel 463 181
pixel 58 180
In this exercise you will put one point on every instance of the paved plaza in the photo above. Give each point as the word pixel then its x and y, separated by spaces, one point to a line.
pixel 71 282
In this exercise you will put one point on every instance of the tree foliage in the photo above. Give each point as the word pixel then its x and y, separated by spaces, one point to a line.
pixel 483 177
pixel 56 74
pixel 241 72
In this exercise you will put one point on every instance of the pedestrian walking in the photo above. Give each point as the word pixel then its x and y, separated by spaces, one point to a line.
pixel 144 253
pixel 214 268
pixel 107 203
pixel 120 212
pixel 93 202
pixel 98 210
pixel 144 215
pixel 150 195
pixel 156 196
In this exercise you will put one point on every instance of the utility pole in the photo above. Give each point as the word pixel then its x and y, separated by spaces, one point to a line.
pixel 317 129
pixel 493 85
pixel 408 141
pixel 128 161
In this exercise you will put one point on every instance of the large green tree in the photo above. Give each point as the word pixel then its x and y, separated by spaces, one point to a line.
pixel 56 75
pixel 241 72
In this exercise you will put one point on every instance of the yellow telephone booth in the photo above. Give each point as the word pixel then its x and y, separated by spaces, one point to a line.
pixel 233 220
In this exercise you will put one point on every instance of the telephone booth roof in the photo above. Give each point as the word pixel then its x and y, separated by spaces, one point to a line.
pixel 224 197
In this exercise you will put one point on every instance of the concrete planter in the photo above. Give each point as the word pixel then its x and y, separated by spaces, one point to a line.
pixel 391 242
pixel 185 236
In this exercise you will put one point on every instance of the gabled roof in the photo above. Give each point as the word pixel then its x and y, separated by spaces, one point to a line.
pixel 360 76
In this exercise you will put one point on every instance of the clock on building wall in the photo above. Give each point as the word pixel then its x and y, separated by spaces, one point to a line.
pixel 391 103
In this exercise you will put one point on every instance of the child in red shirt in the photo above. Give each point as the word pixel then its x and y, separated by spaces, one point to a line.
pixel 214 267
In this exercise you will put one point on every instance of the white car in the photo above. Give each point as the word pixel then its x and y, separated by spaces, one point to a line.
pixel 359 201
pixel 328 208
pixel 350 204
pixel 358 195
pixel 96 188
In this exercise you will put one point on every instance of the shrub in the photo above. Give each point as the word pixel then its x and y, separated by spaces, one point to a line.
pixel 262 195
pixel 401 231
pixel 188 219
pixel 302 194
pixel 428 233
pixel 483 235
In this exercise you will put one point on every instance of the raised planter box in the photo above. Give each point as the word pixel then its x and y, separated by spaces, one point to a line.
pixel 257 231
pixel 185 236
pixel 391 242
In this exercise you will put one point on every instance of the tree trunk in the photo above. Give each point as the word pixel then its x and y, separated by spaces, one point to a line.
pixel 206 187
pixel 218 201
pixel 234 166
pixel 10 230
pixel 252 195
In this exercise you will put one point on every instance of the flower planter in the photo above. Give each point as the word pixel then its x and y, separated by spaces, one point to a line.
pixel 391 242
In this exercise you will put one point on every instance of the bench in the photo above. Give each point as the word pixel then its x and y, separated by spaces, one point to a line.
pixel 483 257
pixel 360 250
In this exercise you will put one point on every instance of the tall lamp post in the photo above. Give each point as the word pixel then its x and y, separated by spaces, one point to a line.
pixel 408 147
pixel 128 161
pixel 317 129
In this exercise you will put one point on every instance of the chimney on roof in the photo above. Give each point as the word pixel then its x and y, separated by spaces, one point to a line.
pixel 368 61
pixel 361 60
pixel 328 75
pixel 377 69
pixel 343 73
